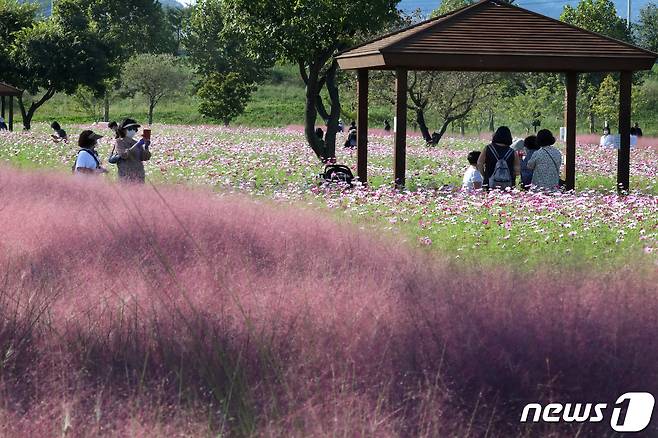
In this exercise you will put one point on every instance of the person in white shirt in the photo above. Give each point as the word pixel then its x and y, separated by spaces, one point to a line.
pixel 613 141
pixel 472 178
pixel 87 161
pixel 608 140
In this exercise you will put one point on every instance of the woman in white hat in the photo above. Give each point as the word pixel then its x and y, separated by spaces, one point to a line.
pixel 131 152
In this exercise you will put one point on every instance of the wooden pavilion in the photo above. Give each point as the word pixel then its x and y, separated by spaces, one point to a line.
pixel 494 36
pixel 7 91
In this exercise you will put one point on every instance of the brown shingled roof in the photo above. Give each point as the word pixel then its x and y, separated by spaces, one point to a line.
pixel 8 90
pixel 495 36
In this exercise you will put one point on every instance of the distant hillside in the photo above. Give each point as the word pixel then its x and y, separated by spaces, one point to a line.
pixel 545 7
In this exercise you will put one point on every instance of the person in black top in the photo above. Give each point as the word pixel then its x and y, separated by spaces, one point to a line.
pixel 60 134
pixel 500 143
pixel 387 126
pixel 3 125
pixel 636 130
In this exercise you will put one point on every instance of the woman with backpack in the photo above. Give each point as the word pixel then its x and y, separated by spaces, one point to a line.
pixel 545 163
pixel 87 161
pixel 498 163
pixel 130 153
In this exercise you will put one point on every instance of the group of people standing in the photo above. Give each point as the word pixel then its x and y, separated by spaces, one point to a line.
pixel 128 153
pixel 535 160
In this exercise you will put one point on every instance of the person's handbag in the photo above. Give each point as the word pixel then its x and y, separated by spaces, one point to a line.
pixel 114 158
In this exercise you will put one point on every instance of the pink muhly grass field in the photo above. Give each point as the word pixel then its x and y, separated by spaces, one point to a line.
pixel 159 312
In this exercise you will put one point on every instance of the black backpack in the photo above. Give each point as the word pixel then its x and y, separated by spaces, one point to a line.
pixel 90 152
pixel 338 173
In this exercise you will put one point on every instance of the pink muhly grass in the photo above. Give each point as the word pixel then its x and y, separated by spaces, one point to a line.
pixel 160 311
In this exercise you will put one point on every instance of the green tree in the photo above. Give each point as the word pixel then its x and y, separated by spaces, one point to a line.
pixel 449 6
pixel 606 102
pixel 155 76
pixel 598 16
pixel 646 29
pixel 219 55
pixel 310 33
pixel 212 46
pixel 127 27
pixel 51 58
pixel 14 17
pixel 177 19
pixel 224 96
pixel 89 101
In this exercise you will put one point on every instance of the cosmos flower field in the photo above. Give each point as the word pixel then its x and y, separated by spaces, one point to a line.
pixel 594 227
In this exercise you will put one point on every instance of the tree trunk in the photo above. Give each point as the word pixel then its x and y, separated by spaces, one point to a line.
pixel 592 127
pixel 420 119
pixel 151 108
pixel 27 115
pixel 492 126
pixel 106 107
pixel 462 129
pixel 443 129
pixel 311 112
pixel 334 116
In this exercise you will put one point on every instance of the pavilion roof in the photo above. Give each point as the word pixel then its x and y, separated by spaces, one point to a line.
pixel 8 90
pixel 494 36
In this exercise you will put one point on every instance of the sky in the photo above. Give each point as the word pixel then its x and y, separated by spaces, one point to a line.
pixel 552 8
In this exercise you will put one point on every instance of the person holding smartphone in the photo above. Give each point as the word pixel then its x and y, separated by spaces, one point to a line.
pixel 132 153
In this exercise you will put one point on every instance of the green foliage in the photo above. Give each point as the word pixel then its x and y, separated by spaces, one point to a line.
pixel 308 29
pixel 449 6
pixel 48 57
pixel 213 46
pixel 224 96
pixel 310 33
pixel 647 27
pixel 531 98
pixel 57 55
pixel 646 98
pixel 598 16
pixel 14 17
pixel 176 20
pixel 155 76
pixel 606 102
pixel 130 27
pixel 89 101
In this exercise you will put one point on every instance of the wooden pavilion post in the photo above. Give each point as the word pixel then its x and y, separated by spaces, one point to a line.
pixel 362 126
pixel 570 116
pixel 400 162
pixel 2 107
pixel 11 113
pixel 624 157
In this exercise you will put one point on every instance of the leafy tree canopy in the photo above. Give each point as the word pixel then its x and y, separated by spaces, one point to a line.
pixel 55 55
pixel 647 27
pixel 598 16
pixel 449 6
pixel 155 76
pixel 310 33
pixel 224 96
pixel 214 47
